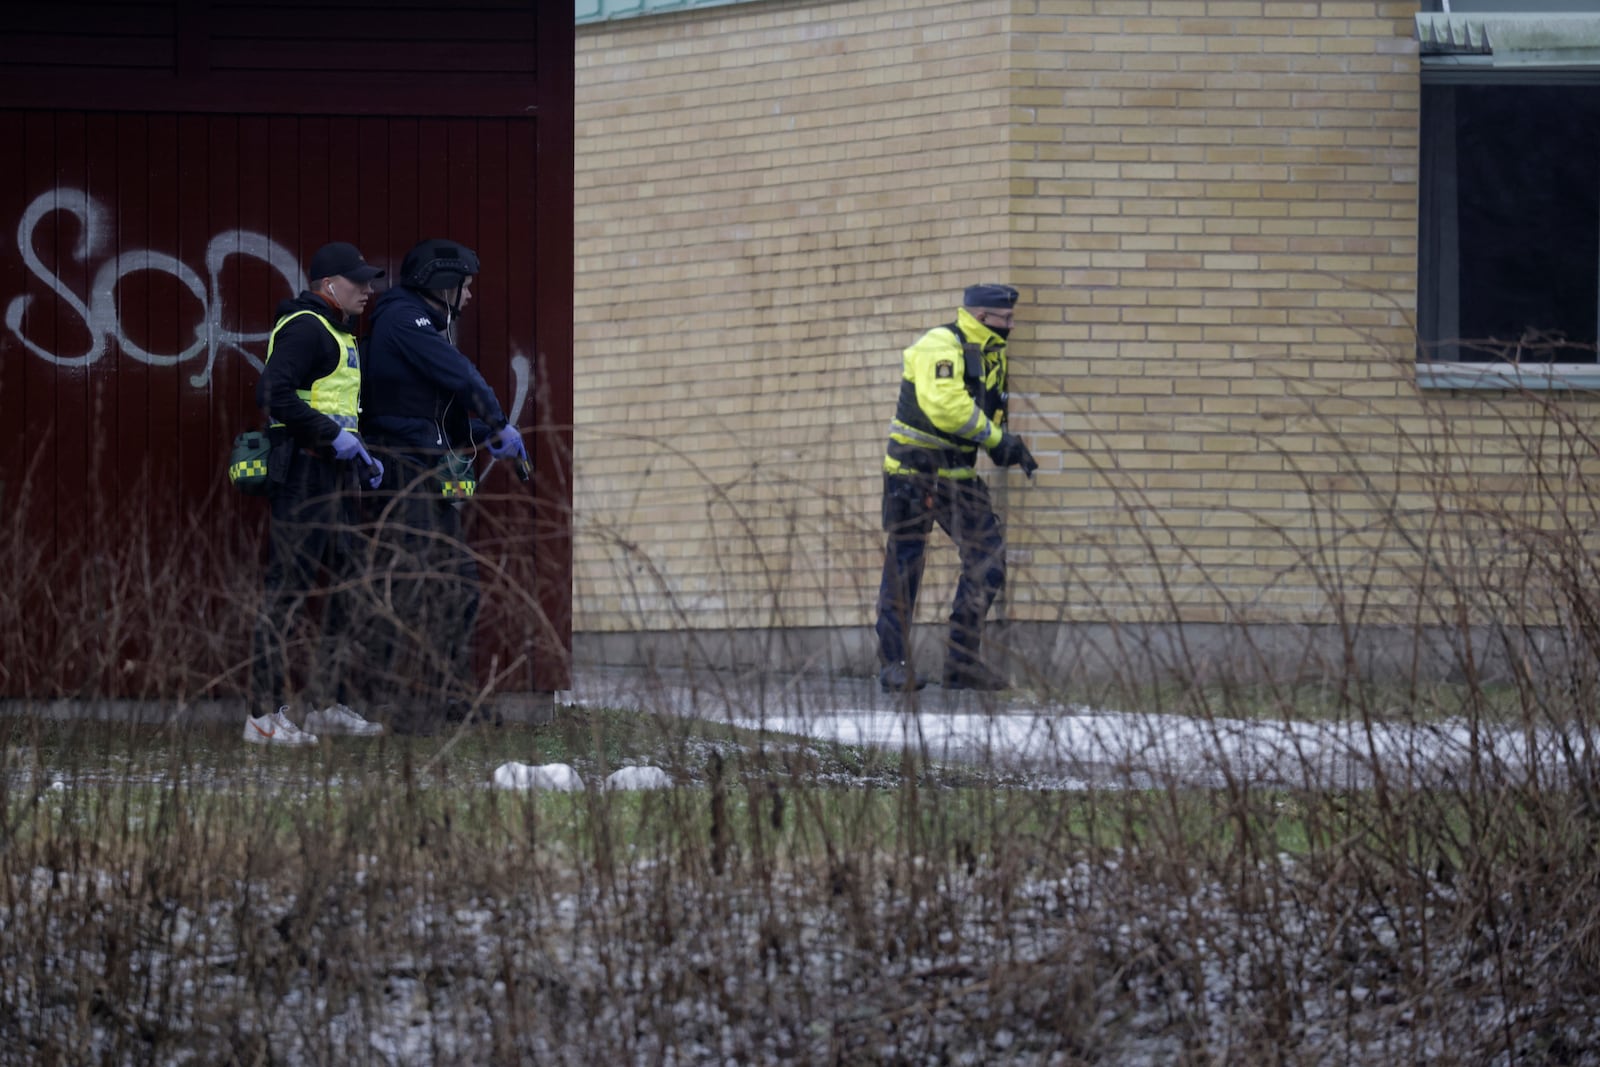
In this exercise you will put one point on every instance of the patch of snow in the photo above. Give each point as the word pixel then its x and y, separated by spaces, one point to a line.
pixel 639 778
pixel 556 777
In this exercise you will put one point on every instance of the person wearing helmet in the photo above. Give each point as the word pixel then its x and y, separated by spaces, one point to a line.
pixel 951 402
pixel 425 409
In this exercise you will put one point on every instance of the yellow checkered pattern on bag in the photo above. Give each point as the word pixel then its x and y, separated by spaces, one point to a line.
pixel 245 469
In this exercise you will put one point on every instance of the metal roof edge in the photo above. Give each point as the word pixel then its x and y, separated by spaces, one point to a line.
pixel 589 12
pixel 1532 38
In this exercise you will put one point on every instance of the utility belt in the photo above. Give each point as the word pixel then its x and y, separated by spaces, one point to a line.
pixel 929 461
pixel 258 464
pixel 451 476
pixel 447 476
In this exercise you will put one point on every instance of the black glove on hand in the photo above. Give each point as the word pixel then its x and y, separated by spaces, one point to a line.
pixel 1011 452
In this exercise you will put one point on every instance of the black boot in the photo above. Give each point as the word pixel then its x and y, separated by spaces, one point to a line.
pixel 414 720
pixel 899 678
pixel 973 675
pixel 457 712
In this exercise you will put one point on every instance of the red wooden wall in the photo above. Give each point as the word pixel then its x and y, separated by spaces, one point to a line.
pixel 170 168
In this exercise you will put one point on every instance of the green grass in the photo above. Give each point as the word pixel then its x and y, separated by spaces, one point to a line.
pixel 144 787
pixel 130 795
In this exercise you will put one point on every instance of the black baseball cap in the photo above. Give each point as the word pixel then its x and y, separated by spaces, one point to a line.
pixel 344 260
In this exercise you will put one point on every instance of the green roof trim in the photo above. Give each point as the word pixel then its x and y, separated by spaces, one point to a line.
pixel 609 10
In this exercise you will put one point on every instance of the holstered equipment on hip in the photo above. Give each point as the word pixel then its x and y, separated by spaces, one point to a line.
pixel 457 479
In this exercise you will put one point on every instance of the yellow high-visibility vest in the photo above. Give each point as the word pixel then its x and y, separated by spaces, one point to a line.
pixel 338 395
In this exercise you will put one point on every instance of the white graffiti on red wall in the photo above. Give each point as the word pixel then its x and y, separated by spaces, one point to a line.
pixel 103 319
pixel 100 313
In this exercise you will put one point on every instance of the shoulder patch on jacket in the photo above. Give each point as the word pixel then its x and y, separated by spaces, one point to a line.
pixel 425 321
pixel 944 369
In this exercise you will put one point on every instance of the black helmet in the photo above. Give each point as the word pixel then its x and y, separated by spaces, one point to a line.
pixel 438 264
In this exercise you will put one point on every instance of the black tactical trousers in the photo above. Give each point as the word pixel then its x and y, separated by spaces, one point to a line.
pixel 427 593
pixel 315 518
pixel 911 506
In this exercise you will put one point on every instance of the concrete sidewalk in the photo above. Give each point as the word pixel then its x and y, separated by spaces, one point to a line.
pixel 1014 730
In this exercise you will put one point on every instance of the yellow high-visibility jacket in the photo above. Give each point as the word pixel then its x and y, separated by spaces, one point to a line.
pixel 952 400
pixel 336 395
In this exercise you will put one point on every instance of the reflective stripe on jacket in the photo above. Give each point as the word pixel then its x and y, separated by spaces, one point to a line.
pixel 338 395
pixel 951 400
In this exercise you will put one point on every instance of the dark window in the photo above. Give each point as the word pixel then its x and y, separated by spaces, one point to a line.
pixel 1510 223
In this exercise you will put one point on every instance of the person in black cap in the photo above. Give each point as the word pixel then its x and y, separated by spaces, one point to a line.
pixel 310 390
pixel 952 403
pixel 426 410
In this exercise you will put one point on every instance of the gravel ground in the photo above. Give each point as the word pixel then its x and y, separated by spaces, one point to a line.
pixel 1093 964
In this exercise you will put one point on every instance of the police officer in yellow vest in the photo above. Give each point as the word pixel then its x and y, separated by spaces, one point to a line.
pixel 310 389
pixel 952 402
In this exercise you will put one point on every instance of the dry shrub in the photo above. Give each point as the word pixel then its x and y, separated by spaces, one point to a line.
pixel 1426 900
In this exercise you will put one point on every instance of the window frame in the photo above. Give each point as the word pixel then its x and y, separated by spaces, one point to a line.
pixel 1437 245
pixel 1438 240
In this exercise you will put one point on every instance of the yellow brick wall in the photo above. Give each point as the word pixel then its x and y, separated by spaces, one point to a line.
pixel 1210 209
pixel 1215 206
pixel 772 201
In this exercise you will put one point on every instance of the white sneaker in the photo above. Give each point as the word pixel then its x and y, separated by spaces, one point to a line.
pixel 276 729
pixel 341 720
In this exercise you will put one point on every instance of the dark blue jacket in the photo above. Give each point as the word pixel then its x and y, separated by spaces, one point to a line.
pixel 417 389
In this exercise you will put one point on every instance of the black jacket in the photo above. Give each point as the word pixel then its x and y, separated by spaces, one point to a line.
pixel 302 352
pixel 417 389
